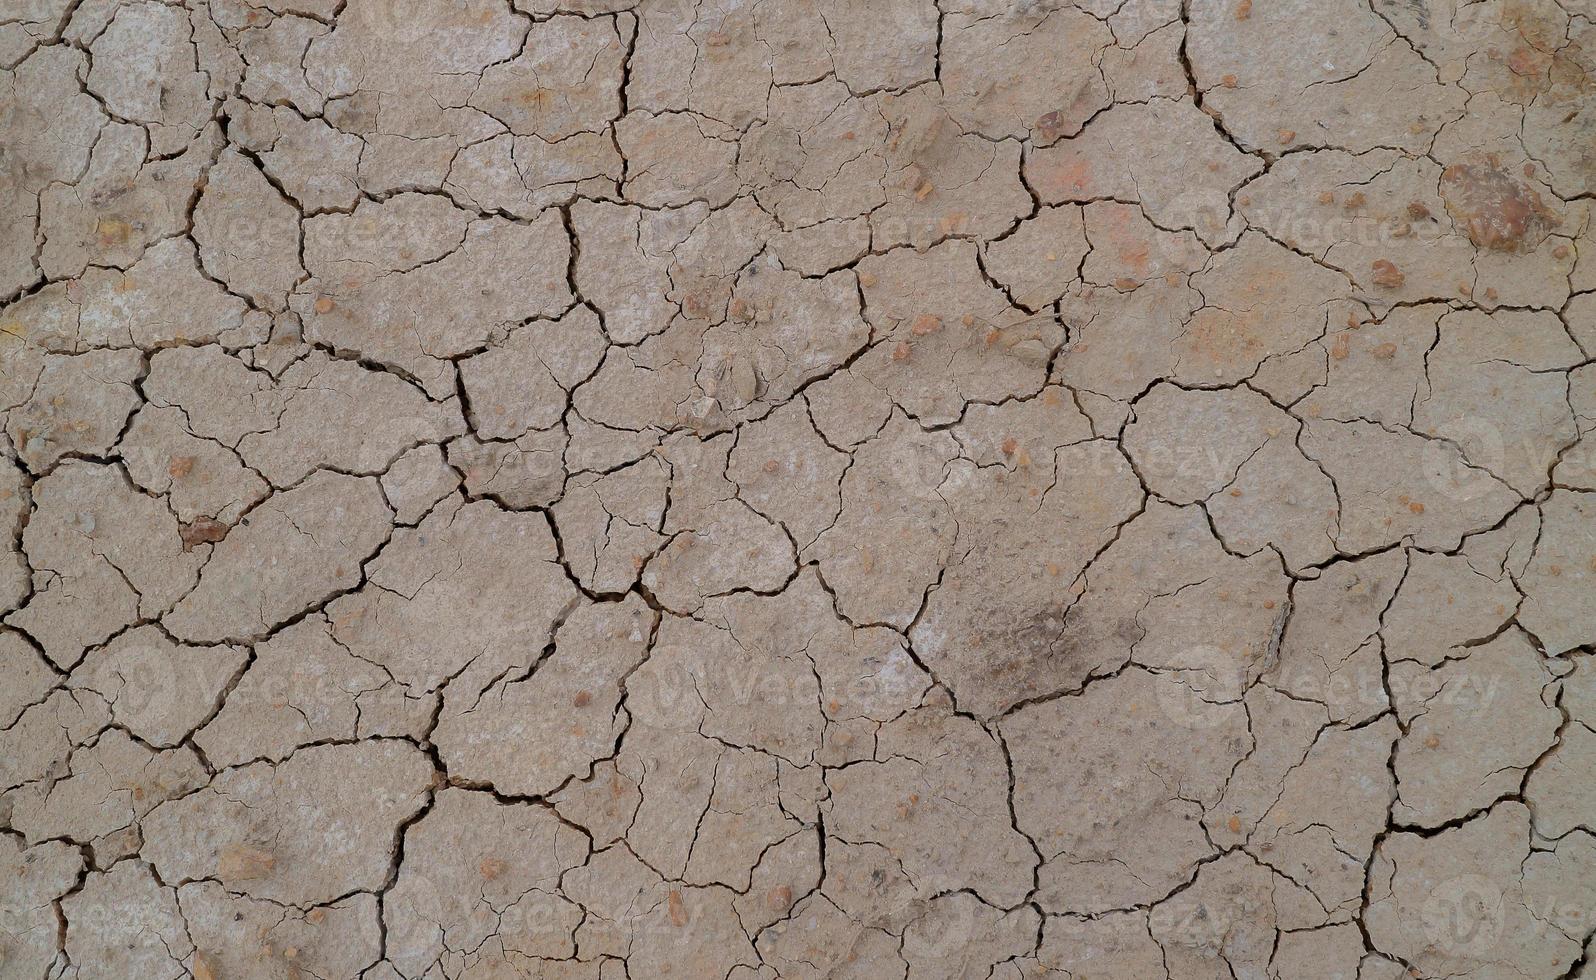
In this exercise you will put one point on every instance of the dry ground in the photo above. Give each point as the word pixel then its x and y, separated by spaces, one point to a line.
pixel 752 489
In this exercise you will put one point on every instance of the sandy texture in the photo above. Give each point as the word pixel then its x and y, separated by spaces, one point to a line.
pixel 797 489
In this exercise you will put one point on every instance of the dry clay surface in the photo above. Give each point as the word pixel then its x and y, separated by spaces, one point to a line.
pixel 753 489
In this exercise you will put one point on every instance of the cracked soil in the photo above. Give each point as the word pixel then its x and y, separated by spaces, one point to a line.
pixel 798 489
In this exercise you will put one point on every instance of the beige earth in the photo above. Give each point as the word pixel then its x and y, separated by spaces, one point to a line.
pixel 798 489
